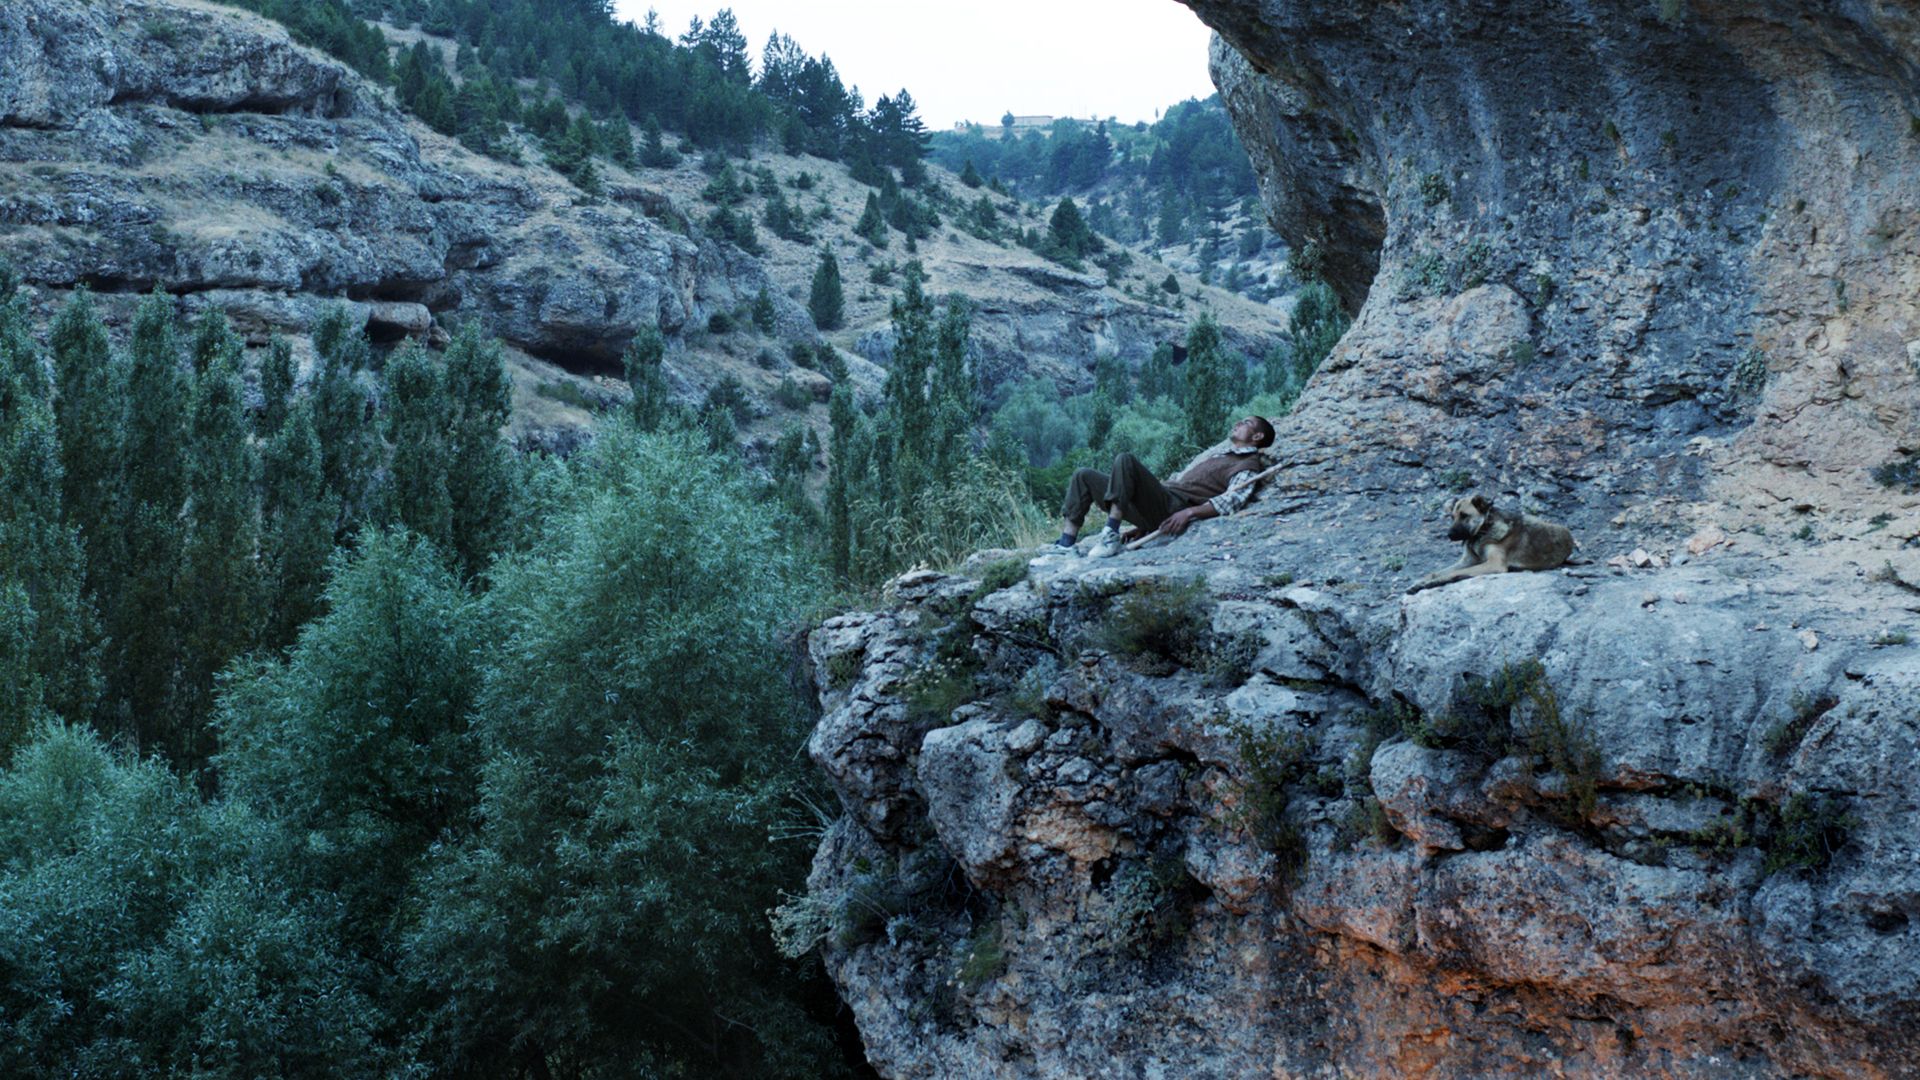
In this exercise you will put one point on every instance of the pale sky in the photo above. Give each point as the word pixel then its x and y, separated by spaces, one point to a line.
pixel 975 61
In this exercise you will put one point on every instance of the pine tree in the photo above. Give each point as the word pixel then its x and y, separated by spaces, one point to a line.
pixel 481 480
pixel 656 154
pixel 826 302
pixel 763 314
pixel 219 597
pixel 417 416
pixel 144 621
pixel 873 222
pixel 970 176
pixel 651 397
pixel 297 515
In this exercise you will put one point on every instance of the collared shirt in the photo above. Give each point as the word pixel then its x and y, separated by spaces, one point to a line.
pixel 1238 489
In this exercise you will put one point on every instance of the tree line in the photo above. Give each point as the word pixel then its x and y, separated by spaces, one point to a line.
pixel 337 739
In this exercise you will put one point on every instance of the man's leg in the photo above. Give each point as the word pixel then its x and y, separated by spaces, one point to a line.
pixel 1083 488
pixel 1135 494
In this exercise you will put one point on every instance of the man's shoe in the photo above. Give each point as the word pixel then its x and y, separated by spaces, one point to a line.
pixel 1107 544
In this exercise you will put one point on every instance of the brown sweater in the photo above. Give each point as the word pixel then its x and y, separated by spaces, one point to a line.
pixel 1209 478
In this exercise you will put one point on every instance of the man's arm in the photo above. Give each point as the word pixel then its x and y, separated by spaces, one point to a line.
pixel 1239 490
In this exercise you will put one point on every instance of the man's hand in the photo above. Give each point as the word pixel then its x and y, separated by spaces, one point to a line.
pixel 1178 523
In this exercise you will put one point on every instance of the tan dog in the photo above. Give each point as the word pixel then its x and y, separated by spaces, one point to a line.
pixel 1498 541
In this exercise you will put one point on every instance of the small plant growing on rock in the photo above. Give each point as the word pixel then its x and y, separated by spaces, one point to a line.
pixel 1365 819
pixel 1271 762
pixel 1144 905
pixel 983 957
pixel 1159 625
pixel 1433 190
pixel 1809 829
pixel 1900 474
pixel 1749 375
pixel 1001 574
pixel 842 669
pixel 1784 737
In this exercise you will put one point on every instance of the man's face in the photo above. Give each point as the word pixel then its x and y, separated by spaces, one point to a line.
pixel 1245 432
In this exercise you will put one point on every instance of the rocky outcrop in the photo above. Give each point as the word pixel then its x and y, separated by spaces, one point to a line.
pixel 1670 222
pixel 1643 268
pixel 1604 821
pixel 160 142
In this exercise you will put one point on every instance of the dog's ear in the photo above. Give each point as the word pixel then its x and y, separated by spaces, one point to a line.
pixel 1480 504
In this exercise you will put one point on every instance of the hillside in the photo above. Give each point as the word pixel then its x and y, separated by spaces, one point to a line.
pixel 197 148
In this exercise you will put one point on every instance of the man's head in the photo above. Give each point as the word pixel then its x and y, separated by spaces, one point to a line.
pixel 1253 431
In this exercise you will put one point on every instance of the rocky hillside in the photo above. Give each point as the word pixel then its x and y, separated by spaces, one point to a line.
pixel 1238 806
pixel 195 147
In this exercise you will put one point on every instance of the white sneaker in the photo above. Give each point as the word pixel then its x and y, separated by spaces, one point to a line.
pixel 1107 544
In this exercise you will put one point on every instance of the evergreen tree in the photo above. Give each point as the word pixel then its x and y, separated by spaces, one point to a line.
pixel 480 483
pixel 297 519
pixel 417 416
pixel 1209 384
pixel 219 598
pixel 656 154
pixel 873 222
pixel 652 400
pixel 144 622
pixel 970 176
pixel 763 314
pixel 826 302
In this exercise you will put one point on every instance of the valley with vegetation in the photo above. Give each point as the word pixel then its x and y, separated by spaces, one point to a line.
pixel 528 549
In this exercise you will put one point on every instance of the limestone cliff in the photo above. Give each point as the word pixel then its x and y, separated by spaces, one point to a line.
pixel 196 147
pixel 1646 268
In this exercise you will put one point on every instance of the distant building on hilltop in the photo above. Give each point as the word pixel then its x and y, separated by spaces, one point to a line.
pixel 1021 125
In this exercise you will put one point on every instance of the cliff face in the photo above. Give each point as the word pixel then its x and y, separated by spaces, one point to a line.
pixel 1236 806
pixel 196 147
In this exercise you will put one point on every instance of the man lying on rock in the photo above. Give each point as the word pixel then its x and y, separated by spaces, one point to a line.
pixel 1129 493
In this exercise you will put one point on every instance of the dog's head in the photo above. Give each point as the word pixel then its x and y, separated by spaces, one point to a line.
pixel 1467 517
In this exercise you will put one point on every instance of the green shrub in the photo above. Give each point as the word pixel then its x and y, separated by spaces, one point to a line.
pixel 1001 574
pixel 1271 763
pixel 791 395
pixel 1433 189
pixel 1900 473
pixel 1364 819
pixel 1142 907
pixel 1807 832
pixel 1160 624
pixel 983 957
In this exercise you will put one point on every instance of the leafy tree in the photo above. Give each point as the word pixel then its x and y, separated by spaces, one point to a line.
pixel 480 470
pixel 219 601
pixel 357 739
pixel 826 302
pixel 621 830
pixel 652 400
pixel 276 387
pixel 90 415
pixel 417 428
pixel 144 622
pixel 1210 384
pixel 343 415
pixel 149 933
pixel 47 629
pixel 297 518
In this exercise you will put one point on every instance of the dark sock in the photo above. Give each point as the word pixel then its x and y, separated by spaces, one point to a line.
pixel 1066 539
pixel 1116 524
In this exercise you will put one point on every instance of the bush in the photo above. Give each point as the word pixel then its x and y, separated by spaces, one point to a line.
pixel 790 394
pixel 1160 625
pixel 1809 829
pixel 1271 763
